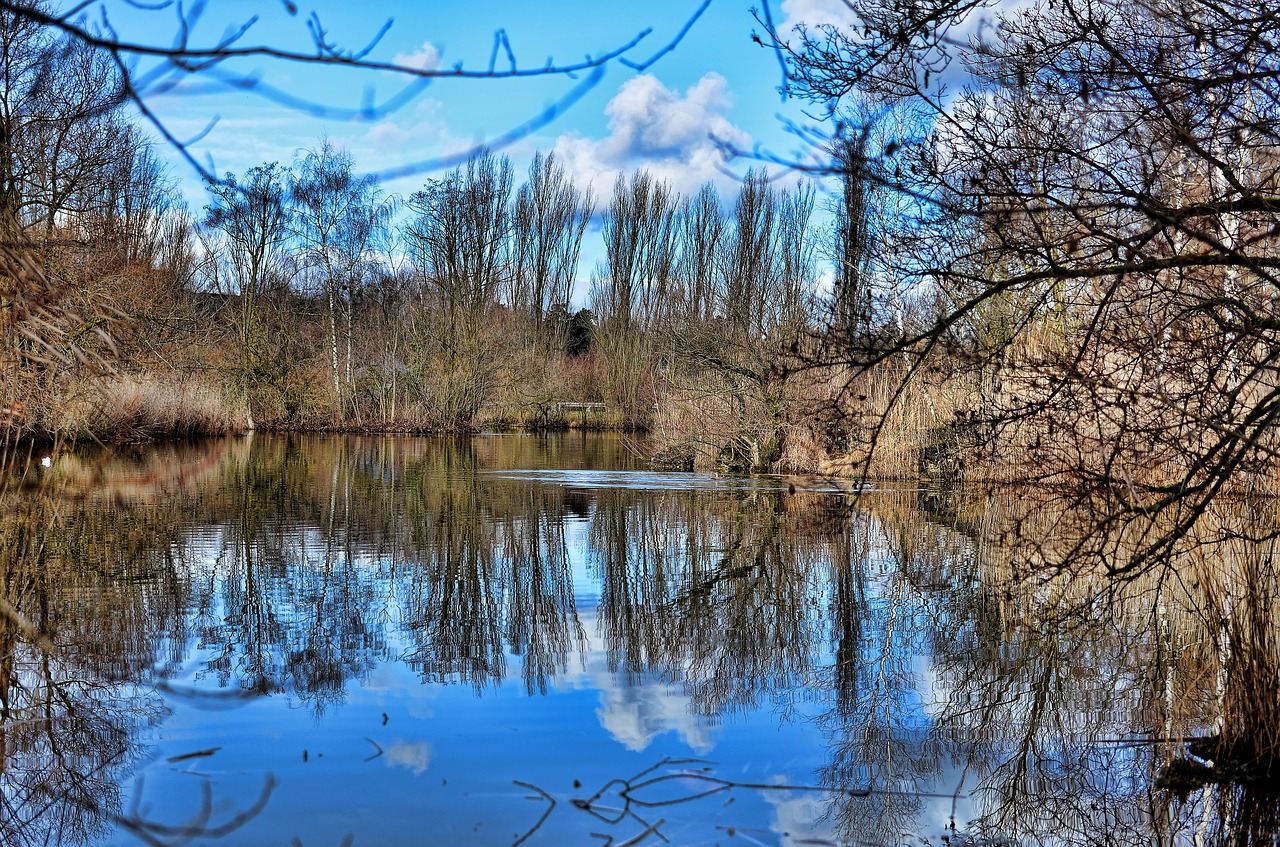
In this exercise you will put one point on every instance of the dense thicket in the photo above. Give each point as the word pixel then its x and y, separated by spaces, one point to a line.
pixel 92 236
pixel 1087 194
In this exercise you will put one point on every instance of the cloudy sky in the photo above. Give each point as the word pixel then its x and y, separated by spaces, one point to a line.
pixel 716 86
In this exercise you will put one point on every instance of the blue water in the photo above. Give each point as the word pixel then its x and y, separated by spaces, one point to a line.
pixel 517 640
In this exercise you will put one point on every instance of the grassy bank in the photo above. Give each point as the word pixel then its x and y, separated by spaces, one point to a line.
pixel 134 408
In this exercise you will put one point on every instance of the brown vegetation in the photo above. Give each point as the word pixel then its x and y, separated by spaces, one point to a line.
pixel 1025 287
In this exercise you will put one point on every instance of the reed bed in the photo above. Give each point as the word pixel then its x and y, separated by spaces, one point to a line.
pixel 123 408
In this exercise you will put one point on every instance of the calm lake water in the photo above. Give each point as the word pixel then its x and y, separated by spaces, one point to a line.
pixel 523 640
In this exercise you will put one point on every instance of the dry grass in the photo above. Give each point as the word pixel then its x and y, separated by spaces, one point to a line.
pixel 834 424
pixel 533 418
pixel 121 408
pixel 1207 611
pixel 895 431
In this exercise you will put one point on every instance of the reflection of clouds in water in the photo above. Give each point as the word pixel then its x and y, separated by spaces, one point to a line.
pixel 633 715
pixel 412 756
pixel 420 710
pixel 936 690
pixel 398 687
pixel 799 818
pixel 807 817
pixel 382 678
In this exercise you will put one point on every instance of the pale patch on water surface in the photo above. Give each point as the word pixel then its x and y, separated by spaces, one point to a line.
pixel 639 480
pixel 413 756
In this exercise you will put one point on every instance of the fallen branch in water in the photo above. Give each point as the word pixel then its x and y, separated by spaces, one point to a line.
pixel 198 754
pixel 546 814
pixel 627 791
pixel 164 835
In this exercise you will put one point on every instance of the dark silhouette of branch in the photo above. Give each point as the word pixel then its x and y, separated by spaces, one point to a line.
pixel 677 771
pixel 551 801
pixel 199 825
pixel 190 68
pixel 668 47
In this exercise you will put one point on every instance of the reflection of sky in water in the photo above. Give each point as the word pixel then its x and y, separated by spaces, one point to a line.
pixel 402 755
pixel 449 759
pixel 591 480
pixel 634 714
pixel 639 480
pixel 445 759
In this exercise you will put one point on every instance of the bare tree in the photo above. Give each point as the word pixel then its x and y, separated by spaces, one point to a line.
pixel 700 228
pixel 339 220
pixel 728 404
pixel 632 292
pixel 459 240
pixel 638 239
pixel 1094 215
pixel 60 127
pixel 851 248
pixel 125 209
pixel 749 255
pixel 251 218
pixel 547 224
pixel 791 299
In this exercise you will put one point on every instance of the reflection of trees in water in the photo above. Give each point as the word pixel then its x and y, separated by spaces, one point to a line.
pixel 747 618
pixel 283 602
pixel 488 571
pixel 634 548
pixel 1059 692
pixel 452 602
pixel 1050 681
pixel 67 739
pixel 282 562
pixel 1071 679
pixel 114 569
pixel 1224 595
pixel 1040 714
pixel 79 623
pixel 542 619
pixel 876 734
pixel 708 589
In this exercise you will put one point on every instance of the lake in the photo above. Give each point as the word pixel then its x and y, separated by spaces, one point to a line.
pixel 535 640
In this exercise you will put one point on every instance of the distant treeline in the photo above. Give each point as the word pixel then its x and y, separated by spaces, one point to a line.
pixel 302 296
pixel 1063 271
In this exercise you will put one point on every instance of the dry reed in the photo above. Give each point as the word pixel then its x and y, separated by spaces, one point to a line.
pixel 124 407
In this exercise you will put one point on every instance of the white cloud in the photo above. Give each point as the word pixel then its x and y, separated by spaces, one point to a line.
pixel 976 24
pixel 813 13
pixel 674 136
pixel 421 126
pixel 425 58
pixel 389 136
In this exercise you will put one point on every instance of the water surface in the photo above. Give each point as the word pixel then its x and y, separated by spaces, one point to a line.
pixel 532 640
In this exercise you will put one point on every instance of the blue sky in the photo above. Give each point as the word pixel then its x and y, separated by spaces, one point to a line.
pixel 716 82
